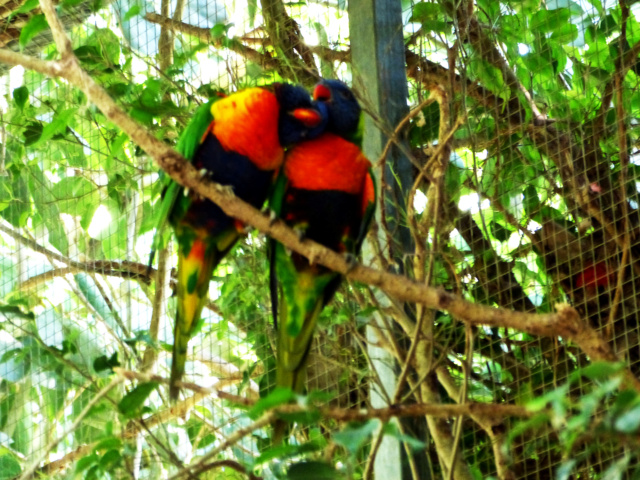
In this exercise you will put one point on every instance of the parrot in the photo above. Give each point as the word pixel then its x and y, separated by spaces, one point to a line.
pixel 236 140
pixel 594 276
pixel 326 193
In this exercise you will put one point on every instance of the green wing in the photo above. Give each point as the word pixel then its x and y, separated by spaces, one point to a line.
pixel 358 136
pixel 187 146
pixel 369 212
pixel 275 205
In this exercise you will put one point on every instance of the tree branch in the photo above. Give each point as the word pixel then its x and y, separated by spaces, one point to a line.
pixel 489 412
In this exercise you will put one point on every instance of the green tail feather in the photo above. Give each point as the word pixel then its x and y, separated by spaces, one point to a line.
pixel 293 350
pixel 192 290
pixel 179 359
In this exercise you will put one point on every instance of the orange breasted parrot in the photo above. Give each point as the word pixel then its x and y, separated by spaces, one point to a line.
pixel 325 192
pixel 237 140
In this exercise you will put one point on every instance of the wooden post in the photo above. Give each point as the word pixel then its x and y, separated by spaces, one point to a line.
pixel 379 77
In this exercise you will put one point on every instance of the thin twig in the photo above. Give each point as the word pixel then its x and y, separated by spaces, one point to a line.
pixel 76 423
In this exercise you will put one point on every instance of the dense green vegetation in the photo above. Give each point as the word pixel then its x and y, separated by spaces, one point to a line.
pixel 522 137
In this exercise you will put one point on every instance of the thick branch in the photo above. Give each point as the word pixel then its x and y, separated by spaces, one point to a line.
pixel 287 38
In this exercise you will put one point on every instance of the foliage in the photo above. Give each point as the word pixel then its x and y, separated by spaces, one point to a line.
pixel 536 203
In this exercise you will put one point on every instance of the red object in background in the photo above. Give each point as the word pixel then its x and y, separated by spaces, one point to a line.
pixel 594 276
pixel 595 188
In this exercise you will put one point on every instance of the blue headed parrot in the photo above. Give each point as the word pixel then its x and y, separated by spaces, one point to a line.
pixel 236 140
pixel 326 192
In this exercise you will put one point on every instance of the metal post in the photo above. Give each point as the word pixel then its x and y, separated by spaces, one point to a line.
pixel 379 77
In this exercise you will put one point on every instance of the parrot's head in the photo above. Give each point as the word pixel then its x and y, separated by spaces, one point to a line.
pixel 343 108
pixel 300 119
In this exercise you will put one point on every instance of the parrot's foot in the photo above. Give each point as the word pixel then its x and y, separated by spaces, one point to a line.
pixel 203 172
pixel 185 191
pixel 288 251
pixel 273 217
pixel 352 261
pixel 300 233
pixel 226 189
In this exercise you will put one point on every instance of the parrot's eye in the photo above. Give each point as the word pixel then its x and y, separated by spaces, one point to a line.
pixel 321 93
pixel 346 95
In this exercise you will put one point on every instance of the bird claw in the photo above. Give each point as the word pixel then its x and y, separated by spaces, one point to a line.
pixel 300 233
pixel 288 251
pixel 185 191
pixel 351 260
pixel 202 172
pixel 273 217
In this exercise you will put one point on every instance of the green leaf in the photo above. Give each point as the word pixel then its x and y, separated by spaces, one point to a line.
pixel 132 403
pixel 37 24
pixel 490 76
pixel 108 45
pixel 110 459
pixel 26 7
pixel 141 116
pixel 424 11
pixel 19 205
pixel 567 33
pixel 132 12
pixel 532 423
pixel 355 435
pixel 9 467
pixel 109 444
pixel 452 182
pixel 32 132
pixel 219 30
pixel 601 370
pixel 431 16
pixel 57 126
pixel 75 194
pixel 21 95
pixel 68 4
pixel 252 9
pixel 499 231
pixel 40 188
pixel 531 200
pixel 598 6
pixel 103 362
pixel 86 462
pixel 89 289
pixel 312 471
pixel 279 396
pixel 545 21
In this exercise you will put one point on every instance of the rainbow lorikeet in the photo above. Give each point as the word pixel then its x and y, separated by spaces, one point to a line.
pixel 327 193
pixel 236 140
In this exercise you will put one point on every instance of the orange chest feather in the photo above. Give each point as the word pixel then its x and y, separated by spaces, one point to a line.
pixel 327 163
pixel 246 122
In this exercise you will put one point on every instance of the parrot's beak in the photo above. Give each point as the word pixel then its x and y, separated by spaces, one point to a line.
pixel 321 92
pixel 309 117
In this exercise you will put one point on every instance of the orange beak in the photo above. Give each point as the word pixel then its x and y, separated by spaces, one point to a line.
pixel 309 117
pixel 321 93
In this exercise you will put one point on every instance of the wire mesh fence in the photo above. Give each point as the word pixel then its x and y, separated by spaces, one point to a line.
pixel 521 140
